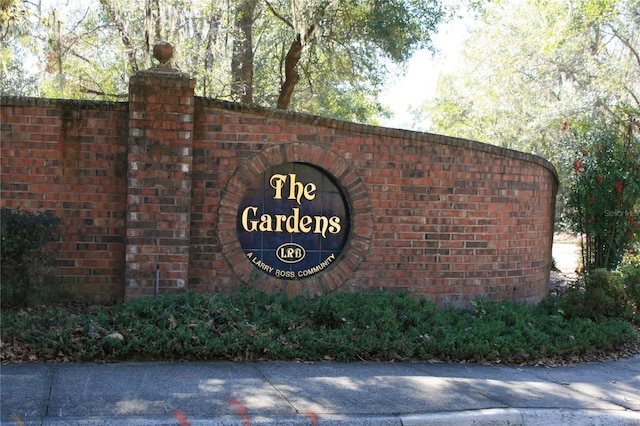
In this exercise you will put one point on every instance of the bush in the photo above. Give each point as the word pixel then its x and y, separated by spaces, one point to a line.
pixel 24 256
pixel 604 190
pixel 254 325
pixel 630 272
pixel 603 294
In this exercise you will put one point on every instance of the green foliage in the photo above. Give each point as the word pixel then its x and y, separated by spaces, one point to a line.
pixel 528 65
pixel 254 325
pixel 630 271
pixel 354 87
pixel 604 295
pixel 16 46
pixel 399 27
pixel 24 256
pixel 13 13
pixel 89 49
pixel 604 190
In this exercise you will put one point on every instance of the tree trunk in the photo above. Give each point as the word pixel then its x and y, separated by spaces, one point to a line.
pixel 290 72
pixel 148 43
pixel 242 60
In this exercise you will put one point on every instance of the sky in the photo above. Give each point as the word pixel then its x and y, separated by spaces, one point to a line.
pixel 419 82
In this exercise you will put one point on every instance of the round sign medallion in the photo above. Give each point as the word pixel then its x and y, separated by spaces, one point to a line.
pixel 293 221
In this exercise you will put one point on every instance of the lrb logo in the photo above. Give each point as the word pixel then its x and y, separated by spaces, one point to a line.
pixel 291 253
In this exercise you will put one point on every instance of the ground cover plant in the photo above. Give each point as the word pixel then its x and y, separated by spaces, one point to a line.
pixel 255 326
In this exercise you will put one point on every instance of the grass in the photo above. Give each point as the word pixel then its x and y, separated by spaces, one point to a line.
pixel 255 326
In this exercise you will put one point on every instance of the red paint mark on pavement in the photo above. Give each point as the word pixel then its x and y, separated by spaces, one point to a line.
pixel 181 418
pixel 242 412
pixel 313 417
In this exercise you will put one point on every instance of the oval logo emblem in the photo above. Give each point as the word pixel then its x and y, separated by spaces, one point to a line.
pixel 291 253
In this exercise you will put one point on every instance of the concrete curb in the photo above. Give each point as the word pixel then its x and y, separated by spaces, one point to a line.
pixel 487 417
pixel 524 417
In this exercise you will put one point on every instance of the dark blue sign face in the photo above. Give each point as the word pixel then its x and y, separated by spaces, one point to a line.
pixel 293 221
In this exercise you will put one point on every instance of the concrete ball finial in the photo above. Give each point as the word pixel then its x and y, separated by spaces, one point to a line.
pixel 163 52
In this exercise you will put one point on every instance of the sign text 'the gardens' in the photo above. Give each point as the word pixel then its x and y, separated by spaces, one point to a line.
pixel 253 221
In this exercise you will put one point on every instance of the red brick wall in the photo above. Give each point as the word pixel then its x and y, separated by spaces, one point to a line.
pixel 450 219
pixel 70 157
pixel 157 182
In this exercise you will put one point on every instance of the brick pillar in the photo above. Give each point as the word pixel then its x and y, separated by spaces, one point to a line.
pixel 159 159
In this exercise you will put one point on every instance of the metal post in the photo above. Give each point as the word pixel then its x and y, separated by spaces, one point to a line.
pixel 157 279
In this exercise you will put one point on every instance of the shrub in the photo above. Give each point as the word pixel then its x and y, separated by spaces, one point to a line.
pixel 347 327
pixel 630 272
pixel 604 190
pixel 603 294
pixel 24 256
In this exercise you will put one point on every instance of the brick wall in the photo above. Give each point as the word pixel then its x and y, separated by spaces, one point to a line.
pixel 70 157
pixel 447 218
pixel 156 182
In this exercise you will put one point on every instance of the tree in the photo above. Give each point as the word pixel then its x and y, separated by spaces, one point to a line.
pixel 13 14
pixel 366 30
pixel 15 47
pixel 333 54
pixel 242 59
pixel 604 189
pixel 529 66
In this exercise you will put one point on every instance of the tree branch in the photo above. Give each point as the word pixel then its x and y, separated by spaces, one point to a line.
pixel 628 45
pixel 100 93
pixel 277 15
pixel 291 75
pixel 119 25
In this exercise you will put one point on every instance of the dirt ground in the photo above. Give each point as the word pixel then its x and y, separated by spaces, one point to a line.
pixel 566 254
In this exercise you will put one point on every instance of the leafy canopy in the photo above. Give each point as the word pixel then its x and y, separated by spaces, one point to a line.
pixel 528 66
pixel 89 49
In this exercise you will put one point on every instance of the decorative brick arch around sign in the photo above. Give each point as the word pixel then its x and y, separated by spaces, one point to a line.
pixel 359 203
